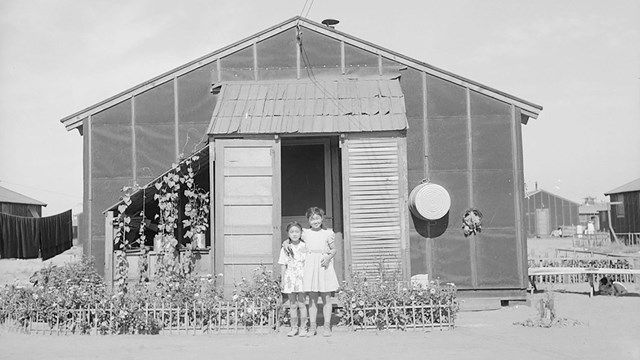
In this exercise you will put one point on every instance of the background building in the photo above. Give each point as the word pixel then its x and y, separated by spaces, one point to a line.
pixel 625 211
pixel 14 203
pixel 545 212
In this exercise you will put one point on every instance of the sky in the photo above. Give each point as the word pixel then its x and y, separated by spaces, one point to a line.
pixel 580 60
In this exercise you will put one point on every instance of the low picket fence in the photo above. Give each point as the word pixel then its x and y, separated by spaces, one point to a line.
pixel 435 315
pixel 223 318
pixel 599 263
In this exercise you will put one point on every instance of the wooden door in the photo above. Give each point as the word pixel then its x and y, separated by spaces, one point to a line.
pixel 375 205
pixel 247 208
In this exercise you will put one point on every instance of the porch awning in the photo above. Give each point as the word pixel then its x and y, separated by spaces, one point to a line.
pixel 334 105
pixel 145 194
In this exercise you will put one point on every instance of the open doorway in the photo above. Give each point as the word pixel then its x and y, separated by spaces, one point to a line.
pixel 310 169
pixel 306 179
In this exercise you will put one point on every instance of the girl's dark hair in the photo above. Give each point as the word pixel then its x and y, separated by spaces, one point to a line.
pixel 292 224
pixel 314 210
pixel 604 280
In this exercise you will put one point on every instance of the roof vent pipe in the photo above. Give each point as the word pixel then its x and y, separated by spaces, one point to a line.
pixel 330 23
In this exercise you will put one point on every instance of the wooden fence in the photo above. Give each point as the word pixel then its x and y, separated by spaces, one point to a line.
pixel 223 318
pixel 598 263
pixel 403 317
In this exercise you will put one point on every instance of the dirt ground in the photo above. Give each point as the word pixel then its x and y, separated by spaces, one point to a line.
pixel 609 328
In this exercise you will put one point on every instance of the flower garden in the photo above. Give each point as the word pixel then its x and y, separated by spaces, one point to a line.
pixel 74 299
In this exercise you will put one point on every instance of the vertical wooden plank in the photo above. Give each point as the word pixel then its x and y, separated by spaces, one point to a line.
pixel 343 66
pixel 276 207
pixel 255 60
pixel 336 200
pixel 427 174
pixel 88 208
pixel 344 145
pixel 134 163
pixel 403 183
pixel 219 207
pixel 108 248
pixel 176 118
pixel 212 211
pixel 298 65
pixel 518 191
pixel 472 239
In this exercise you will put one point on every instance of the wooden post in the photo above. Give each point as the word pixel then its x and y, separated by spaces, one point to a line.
pixel 212 207
pixel 108 247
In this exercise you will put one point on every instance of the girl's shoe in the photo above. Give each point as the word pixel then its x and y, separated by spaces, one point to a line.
pixel 303 332
pixel 327 331
pixel 313 329
pixel 293 332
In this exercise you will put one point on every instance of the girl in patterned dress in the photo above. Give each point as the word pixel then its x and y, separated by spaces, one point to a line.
pixel 292 259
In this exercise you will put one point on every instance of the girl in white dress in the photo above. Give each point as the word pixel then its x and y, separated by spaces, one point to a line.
pixel 292 259
pixel 319 275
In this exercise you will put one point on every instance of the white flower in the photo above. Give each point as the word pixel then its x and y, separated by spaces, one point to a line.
pixel 235 297
pixel 432 291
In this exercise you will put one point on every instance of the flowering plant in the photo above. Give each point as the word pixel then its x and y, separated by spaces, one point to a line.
pixel 391 303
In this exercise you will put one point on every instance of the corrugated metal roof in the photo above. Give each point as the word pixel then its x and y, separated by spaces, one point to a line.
pixel 591 208
pixel 531 193
pixel 9 196
pixel 628 187
pixel 335 105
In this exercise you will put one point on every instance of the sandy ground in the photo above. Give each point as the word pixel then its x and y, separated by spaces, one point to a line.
pixel 610 328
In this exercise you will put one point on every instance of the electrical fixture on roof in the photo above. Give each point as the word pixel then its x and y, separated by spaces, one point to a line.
pixel 330 23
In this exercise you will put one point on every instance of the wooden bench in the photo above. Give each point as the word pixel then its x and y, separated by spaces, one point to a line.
pixel 590 272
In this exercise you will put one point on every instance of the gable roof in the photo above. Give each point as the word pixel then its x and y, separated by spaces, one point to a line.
pixel 628 187
pixel 9 196
pixel 333 105
pixel 531 193
pixel 529 109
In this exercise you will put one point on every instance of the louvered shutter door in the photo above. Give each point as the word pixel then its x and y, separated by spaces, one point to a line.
pixel 375 198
